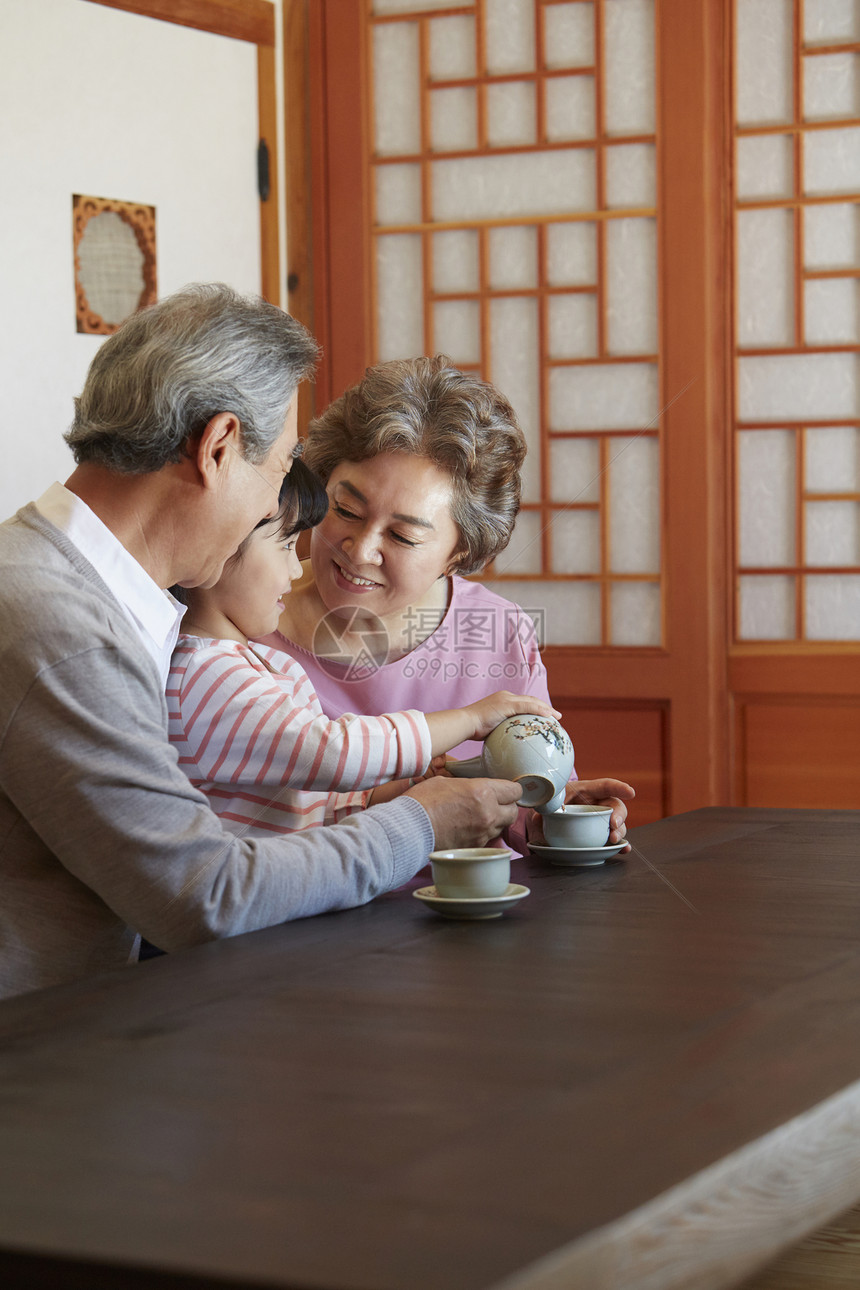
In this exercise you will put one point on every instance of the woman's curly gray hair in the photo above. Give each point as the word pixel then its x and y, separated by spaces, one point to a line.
pixel 162 376
pixel 429 408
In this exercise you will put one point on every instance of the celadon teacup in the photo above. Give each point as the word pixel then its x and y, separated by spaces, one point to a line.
pixel 578 825
pixel 471 873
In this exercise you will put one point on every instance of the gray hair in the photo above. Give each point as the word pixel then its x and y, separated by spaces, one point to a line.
pixel 162 376
pixel 429 408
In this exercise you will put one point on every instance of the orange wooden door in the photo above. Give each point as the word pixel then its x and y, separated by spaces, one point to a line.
pixel 653 713
pixel 794 657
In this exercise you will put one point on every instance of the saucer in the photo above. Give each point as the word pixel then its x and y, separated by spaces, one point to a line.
pixel 460 907
pixel 577 855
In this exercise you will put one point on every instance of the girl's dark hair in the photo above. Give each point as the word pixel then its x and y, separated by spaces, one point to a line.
pixel 302 503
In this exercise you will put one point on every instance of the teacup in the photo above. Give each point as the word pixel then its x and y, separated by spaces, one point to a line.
pixel 534 751
pixel 471 873
pixel 577 825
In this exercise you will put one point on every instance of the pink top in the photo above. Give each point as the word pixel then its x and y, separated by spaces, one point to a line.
pixel 484 643
pixel 252 736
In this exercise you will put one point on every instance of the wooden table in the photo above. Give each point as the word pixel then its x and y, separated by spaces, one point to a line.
pixel 644 1075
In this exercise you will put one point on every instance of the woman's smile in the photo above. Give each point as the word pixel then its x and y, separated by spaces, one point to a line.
pixel 353 579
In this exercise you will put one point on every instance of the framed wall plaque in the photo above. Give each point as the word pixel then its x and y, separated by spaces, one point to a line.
pixel 115 261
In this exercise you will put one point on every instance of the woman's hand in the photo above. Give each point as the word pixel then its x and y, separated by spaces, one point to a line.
pixel 489 712
pixel 592 792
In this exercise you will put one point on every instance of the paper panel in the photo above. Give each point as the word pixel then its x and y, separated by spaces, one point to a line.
pixel 635 614
pixel 513 257
pixel 827 22
pixel 798 386
pixel 572 326
pixel 831 160
pixel 629 92
pixel 454 119
pixel 523 552
pixel 765 277
pixel 632 286
pixel 575 542
pixel 514 368
pixel 531 183
pixel 571 254
pixel 831 236
pixel 574 474
pixel 407 6
pixel 766 608
pixel 452 48
pixel 511 114
pixel 455 260
pixel 763 66
pixel 831 315
pixel 569 612
pixel 766 498
pixel 400 292
pixel 764 167
pixel 569 35
pixel 634 505
pixel 604 396
pixel 631 178
pixel 569 106
pixel 457 330
pixel 830 86
pixel 832 533
pixel 833 607
pixel 396 89
pixel 398 194
pixel 510 36
pixel 832 459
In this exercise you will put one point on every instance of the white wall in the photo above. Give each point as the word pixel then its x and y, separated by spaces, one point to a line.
pixel 94 100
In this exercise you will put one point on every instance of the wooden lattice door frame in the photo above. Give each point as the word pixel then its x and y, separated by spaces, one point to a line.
pixel 681 687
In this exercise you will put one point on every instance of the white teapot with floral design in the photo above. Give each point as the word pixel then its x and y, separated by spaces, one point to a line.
pixel 535 752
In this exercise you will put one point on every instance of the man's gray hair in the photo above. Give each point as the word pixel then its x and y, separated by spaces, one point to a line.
pixel 162 376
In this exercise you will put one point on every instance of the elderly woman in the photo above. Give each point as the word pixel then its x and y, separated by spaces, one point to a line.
pixel 422 466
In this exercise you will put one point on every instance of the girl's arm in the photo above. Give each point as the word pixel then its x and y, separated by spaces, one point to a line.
pixel 235 722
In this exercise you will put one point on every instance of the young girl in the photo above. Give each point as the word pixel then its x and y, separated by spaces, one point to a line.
pixel 246 721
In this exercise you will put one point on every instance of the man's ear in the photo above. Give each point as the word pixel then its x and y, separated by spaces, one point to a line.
pixel 220 439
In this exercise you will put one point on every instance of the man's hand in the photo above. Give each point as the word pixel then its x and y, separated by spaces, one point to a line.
pixel 592 792
pixel 467 812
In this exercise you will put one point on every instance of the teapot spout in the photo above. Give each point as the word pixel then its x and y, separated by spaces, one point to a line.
pixel 471 768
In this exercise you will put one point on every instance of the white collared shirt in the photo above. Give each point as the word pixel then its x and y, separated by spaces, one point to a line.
pixel 154 612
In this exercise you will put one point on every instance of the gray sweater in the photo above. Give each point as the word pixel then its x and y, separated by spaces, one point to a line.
pixel 101 834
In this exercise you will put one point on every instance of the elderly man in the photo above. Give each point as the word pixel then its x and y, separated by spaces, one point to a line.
pixel 182 435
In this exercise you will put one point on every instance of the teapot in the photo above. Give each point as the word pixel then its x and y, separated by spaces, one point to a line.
pixel 535 752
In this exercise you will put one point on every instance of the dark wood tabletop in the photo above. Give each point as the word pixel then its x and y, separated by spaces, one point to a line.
pixel 646 1074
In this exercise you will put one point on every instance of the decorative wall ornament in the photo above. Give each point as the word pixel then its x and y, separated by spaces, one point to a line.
pixel 115 265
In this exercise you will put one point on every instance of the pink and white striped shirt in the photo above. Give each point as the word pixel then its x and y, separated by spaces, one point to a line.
pixel 252 736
